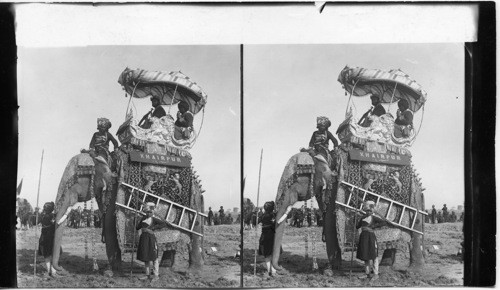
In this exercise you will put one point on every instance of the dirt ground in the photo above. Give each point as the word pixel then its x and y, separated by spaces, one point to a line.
pixel 221 268
pixel 443 267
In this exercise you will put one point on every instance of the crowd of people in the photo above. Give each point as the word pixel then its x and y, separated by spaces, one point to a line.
pixel 78 218
pixel 443 216
pixel 221 218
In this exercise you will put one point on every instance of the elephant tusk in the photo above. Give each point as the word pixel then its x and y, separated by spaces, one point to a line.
pixel 62 219
pixel 65 216
pixel 282 219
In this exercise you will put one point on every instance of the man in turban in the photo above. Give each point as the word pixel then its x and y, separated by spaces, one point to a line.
pixel 157 111
pixel 320 139
pixel 376 110
pixel 100 140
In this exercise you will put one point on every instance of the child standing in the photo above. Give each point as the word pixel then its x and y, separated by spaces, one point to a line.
pixel 367 247
pixel 46 241
pixel 266 241
pixel 147 250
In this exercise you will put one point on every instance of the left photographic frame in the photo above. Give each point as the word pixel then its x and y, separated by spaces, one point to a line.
pixel 120 156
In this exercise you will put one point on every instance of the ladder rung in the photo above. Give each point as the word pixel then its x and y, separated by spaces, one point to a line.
pixel 414 219
pixel 182 215
pixel 168 212
pixel 402 214
pixel 375 194
pixel 194 220
pixel 173 225
pixel 349 198
pixel 388 211
pixel 171 205
pixel 163 199
pixel 130 197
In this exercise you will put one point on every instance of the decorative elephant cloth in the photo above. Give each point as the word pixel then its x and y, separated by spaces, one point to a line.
pixel 161 131
pixel 299 164
pixel 79 165
pixel 358 174
pixel 381 129
pixel 158 177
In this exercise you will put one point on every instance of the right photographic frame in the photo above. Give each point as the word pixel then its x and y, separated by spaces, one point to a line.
pixel 353 165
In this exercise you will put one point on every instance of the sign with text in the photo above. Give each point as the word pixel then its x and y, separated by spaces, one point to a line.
pixel 386 158
pixel 159 159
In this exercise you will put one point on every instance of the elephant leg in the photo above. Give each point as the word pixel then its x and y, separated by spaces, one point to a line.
pixel 110 235
pixel 330 232
pixel 388 257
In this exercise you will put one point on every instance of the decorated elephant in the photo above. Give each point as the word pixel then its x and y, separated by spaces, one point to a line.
pixel 304 177
pixel 85 177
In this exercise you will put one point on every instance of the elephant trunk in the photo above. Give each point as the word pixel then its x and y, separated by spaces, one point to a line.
pixel 278 237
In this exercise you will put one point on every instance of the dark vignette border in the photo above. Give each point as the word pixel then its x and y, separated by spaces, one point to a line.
pixel 479 153
pixel 480 192
pixel 8 146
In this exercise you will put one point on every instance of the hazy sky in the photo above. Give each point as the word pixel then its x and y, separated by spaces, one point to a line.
pixel 62 92
pixel 287 86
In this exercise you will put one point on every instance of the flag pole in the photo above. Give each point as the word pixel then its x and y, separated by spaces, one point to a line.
pixel 36 220
pixel 257 217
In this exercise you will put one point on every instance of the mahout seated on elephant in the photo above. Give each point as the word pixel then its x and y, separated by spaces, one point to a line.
pixel 320 140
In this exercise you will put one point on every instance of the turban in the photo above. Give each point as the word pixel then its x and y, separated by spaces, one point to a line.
pixel 103 123
pixel 269 206
pixel 369 204
pixel 48 207
pixel 404 104
pixel 323 121
pixel 155 97
pixel 149 207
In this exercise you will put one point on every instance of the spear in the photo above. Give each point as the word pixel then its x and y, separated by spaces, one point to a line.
pixel 257 206
pixel 36 220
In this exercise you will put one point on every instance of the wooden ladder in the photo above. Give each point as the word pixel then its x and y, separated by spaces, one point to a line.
pixel 393 206
pixel 160 200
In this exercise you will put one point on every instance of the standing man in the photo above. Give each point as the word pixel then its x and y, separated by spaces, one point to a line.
pixel 445 213
pixel 221 214
pixel 433 214
pixel 210 216
pixel 157 111
pixel 376 110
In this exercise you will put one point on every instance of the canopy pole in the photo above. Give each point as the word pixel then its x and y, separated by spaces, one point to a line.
pixel 350 96
pixel 392 97
pixel 36 219
pixel 131 96
pixel 421 120
pixel 173 96
pixel 257 226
